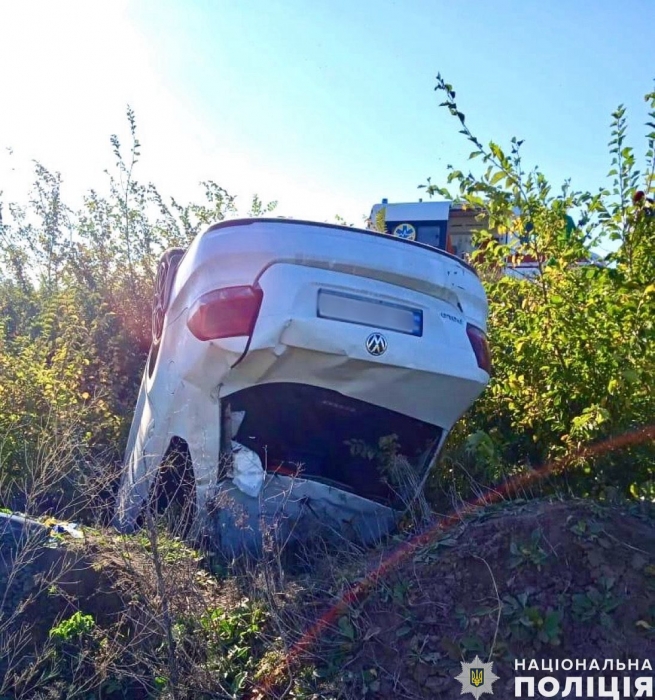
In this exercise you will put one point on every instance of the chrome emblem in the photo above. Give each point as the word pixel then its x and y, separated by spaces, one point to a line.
pixel 376 344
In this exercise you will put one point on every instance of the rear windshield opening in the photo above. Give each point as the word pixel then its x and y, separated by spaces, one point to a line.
pixel 328 437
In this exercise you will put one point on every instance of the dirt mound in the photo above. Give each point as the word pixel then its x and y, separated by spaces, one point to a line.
pixel 521 580
pixel 526 580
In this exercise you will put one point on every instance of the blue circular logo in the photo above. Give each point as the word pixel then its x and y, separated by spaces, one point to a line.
pixel 406 231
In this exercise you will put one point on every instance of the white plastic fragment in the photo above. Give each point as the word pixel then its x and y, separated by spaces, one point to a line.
pixel 248 473
pixel 71 529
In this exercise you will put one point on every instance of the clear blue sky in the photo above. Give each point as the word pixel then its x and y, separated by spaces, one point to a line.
pixel 325 105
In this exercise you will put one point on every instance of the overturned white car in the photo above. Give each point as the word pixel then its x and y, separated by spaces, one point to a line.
pixel 278 347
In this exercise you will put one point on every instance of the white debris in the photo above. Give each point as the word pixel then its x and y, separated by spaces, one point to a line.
pixel 248 473
pixel 71 529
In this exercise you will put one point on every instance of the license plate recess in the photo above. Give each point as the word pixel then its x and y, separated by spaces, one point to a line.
pixel 365 311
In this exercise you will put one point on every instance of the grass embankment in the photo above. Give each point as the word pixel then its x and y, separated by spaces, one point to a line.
pixel 146 616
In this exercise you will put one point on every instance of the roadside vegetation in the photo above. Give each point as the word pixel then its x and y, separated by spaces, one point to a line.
pixel 548 482
pixel 573 351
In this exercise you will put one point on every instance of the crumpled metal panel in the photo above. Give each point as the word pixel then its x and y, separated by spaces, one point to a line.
pixel 293 510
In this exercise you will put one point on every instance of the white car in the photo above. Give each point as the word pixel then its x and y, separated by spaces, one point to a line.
pixel 279 345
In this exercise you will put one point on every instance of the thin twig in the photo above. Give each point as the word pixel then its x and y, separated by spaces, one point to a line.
pixel 500 605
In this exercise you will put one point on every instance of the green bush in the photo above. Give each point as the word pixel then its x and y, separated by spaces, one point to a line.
pixel 75 309
pixel 72 628
pixel 573 348
pixel 574 357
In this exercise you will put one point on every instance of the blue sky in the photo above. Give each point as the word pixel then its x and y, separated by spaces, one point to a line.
pixel 326 106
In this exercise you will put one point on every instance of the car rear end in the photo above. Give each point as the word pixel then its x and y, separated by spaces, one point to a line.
pixel 295 301
pixel 340 348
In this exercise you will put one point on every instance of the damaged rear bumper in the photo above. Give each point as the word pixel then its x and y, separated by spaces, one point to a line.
pixel 293 511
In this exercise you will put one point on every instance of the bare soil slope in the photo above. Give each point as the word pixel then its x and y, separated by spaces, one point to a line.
pixel 533 580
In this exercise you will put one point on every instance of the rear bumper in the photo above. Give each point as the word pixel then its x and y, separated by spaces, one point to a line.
pixel 293 511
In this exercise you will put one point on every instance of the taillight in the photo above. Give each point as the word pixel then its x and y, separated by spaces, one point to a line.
pixel 225 313
pixel 480 347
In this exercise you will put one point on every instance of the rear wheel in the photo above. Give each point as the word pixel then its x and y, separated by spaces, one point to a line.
pixel 163 284
pixel 174 493
pixel 166 270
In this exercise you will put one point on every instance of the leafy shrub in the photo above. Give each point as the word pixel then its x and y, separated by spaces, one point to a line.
pixel 573 351
pixel 75 311
pixel 77 625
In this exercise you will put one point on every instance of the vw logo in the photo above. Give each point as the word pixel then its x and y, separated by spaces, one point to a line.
pixel 376 344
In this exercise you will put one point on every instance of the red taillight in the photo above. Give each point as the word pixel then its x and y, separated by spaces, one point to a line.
pixel 225 313
pixel 480 347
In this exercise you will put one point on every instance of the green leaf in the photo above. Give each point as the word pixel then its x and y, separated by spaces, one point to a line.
pixel 346 628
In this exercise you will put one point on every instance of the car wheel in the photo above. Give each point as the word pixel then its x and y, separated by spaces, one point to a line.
pixel 174 491
pixel 166 270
